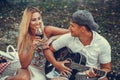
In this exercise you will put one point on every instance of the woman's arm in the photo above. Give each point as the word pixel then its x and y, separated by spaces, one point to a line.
pixel 25 58
pixel 26 55
pixel 53 31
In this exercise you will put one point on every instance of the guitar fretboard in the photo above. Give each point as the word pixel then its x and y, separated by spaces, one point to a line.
pixel 83 68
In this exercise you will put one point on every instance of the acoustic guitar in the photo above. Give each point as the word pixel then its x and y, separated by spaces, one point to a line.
pixel 77 64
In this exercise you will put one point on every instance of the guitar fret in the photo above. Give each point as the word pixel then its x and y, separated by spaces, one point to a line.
pixel 99 72
pixel 84 68
pixel 102 73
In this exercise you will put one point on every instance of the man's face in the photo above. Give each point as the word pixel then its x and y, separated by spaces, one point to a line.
pixel 74 29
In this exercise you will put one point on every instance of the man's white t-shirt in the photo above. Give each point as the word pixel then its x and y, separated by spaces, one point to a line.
pixel 99 51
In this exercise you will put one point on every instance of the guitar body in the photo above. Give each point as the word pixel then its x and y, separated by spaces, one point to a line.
pixel 62 55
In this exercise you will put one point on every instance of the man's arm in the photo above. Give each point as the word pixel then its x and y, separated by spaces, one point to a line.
pixel 104 67
pixel 49 54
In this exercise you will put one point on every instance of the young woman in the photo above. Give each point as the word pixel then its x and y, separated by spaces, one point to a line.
pixel 28 44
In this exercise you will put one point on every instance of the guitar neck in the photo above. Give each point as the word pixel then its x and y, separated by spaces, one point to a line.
pixel 78 67
pixel 83 68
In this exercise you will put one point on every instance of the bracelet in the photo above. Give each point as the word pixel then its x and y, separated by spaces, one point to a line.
pixel 45 48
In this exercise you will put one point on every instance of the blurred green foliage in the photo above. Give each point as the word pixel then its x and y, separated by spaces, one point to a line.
pixel 58 12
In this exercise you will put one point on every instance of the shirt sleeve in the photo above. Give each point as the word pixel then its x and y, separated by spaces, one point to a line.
pixel 105 55
pixel 60 42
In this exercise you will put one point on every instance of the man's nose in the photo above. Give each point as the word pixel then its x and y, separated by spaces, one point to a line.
pixel 69 27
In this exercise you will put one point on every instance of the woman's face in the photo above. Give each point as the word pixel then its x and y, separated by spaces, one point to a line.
pixel 35 22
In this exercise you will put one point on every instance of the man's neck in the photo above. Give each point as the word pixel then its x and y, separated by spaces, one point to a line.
pixel 86 38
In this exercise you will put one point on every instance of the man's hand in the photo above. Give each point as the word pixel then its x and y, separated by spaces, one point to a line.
pixel 90 73
pixel 60 65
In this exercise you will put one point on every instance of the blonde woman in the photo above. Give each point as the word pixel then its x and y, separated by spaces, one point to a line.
pixel 28 44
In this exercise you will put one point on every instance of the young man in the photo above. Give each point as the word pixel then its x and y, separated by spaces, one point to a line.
pixel 83 39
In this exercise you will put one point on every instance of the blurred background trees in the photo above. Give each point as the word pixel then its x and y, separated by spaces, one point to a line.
pixel 57 13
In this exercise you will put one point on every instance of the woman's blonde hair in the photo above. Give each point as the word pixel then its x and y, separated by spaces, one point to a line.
pixel 24 37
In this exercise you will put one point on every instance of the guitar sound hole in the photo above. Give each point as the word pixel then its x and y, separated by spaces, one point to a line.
pixel 68 64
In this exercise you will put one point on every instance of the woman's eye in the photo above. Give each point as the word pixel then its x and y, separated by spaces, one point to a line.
pixel 39 18
pixel 33 19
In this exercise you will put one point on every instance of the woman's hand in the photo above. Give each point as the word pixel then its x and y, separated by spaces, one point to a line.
pixel 50 40
pixel 36 42
pixel 47 42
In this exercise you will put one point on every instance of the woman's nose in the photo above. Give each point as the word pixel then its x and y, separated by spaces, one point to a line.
pixel 38 21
